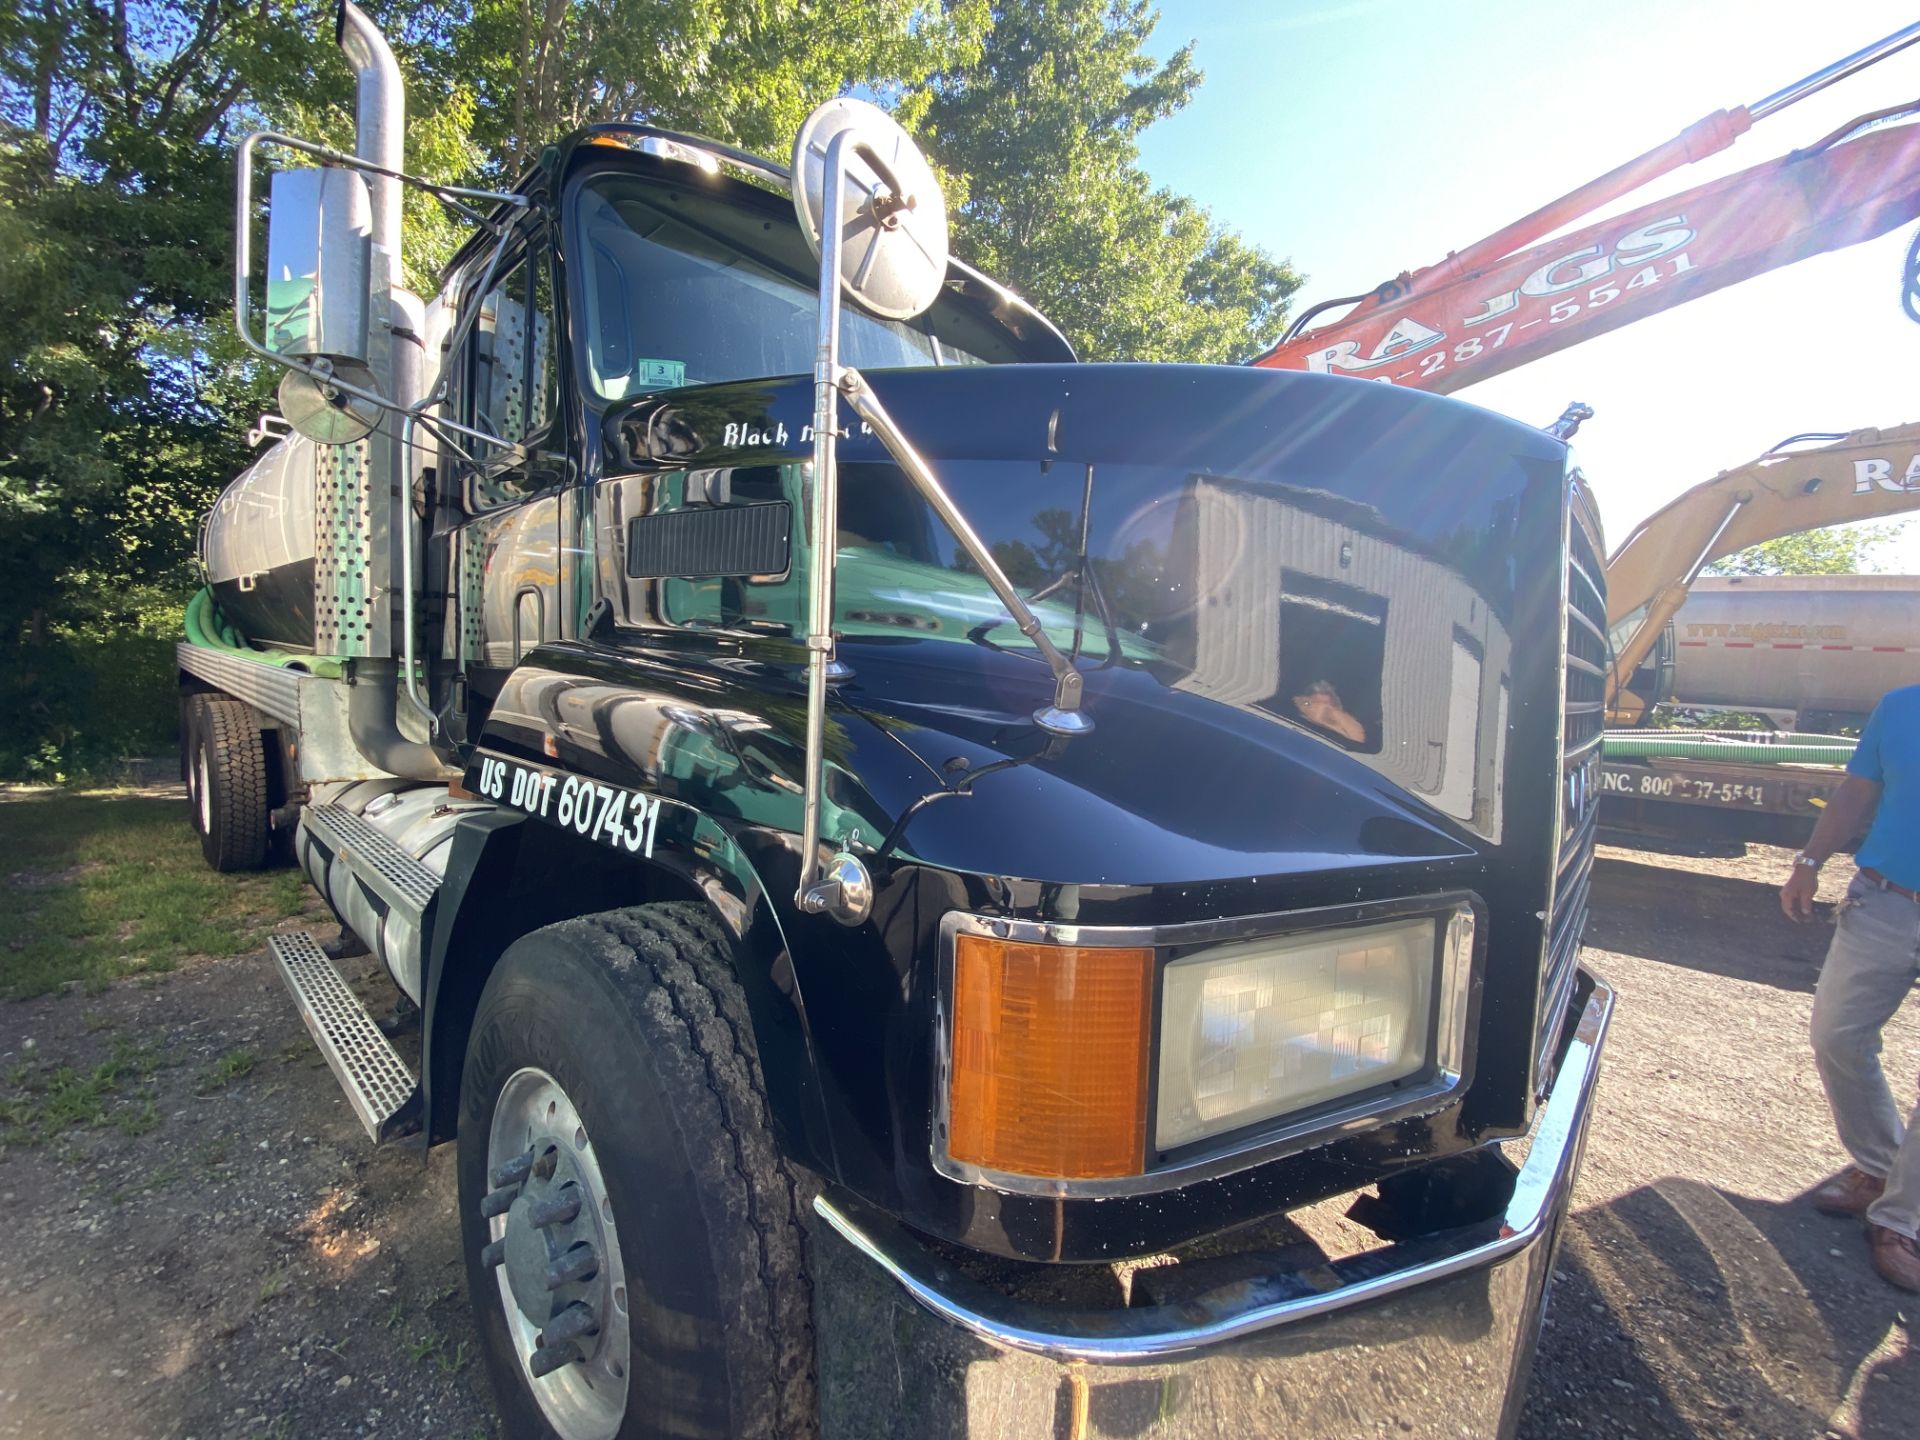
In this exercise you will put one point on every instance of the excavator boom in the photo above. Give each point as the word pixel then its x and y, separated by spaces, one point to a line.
pixel 1865 476
pixel 1445 336
pixel 1509 298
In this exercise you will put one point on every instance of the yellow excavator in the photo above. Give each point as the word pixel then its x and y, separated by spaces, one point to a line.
pixel 1730 788
pixel 1861 476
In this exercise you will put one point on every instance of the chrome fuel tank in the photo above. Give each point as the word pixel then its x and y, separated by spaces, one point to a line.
pixel 419 820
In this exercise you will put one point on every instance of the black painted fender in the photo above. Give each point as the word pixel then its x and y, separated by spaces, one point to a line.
pixel 510 873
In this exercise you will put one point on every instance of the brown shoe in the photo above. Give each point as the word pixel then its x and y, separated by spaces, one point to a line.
pixel 1896 1258
pixel 1848 1193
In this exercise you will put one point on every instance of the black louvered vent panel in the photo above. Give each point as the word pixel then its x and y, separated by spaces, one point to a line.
pixel 1586 660
pixel 707 543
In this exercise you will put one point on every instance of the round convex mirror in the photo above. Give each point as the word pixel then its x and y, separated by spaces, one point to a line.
pixel 893 218
pixel 325 414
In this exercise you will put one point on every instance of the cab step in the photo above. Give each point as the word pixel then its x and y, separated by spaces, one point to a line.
pixel 380 1087
pixel 374 860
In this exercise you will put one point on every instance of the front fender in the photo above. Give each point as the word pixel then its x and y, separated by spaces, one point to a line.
pixel 510 873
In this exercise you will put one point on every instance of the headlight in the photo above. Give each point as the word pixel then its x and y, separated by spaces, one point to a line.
pixel 1259 1029
pixel 1087 1061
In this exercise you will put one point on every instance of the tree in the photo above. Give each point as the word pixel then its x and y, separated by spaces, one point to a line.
pixel 121 390
pixel 124 396
pixel 1040 138
pixel 1835 550
pixel 743 71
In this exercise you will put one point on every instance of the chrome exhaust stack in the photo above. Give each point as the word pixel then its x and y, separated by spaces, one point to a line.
pixel 380 120
pixel 380 126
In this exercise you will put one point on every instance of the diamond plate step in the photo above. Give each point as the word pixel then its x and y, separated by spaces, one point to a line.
pixel 382 866
pixel 378 1083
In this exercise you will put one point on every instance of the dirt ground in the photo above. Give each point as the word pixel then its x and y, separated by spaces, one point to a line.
pixel 219 1252
pixel 1699 1294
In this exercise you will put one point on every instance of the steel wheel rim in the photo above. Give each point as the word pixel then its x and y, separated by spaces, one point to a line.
pixel 585 1400
pixel 202 805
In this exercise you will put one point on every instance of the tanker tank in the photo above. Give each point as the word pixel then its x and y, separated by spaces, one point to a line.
pixel 1826 647
pixel 257 547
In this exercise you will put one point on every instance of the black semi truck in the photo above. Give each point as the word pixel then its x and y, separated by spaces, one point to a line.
pixel 917 865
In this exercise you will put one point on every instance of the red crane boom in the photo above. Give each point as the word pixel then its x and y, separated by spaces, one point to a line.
pixel 1493 306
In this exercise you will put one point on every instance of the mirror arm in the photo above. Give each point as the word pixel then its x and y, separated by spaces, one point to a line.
pixel 842 888
pixel 823 520
pixel 1064 716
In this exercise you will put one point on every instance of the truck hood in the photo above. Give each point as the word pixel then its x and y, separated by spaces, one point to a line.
pixel 1297 602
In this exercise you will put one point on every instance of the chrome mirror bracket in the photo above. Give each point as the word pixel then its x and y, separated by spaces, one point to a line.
pixel 844 890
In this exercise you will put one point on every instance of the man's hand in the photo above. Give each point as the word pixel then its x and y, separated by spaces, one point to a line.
pixel 1796 896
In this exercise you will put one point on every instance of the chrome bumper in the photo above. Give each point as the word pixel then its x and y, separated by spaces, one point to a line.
pixel 1432 1336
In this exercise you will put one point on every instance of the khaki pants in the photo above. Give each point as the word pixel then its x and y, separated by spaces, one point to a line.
pixel 1870 967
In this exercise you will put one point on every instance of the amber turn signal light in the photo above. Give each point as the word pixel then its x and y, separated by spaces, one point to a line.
pixel 1049 1059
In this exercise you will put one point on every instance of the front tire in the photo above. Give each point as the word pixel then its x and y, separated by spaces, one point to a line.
pixel 614 1054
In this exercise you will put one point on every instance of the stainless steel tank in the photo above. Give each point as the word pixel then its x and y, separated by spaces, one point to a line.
pixel 1825 644
pixel 258 546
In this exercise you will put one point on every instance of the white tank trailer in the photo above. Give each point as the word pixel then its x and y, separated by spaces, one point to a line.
pixel 1823 647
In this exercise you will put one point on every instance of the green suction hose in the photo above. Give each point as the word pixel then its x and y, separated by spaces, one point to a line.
pixel 209 629
pixel 1761 749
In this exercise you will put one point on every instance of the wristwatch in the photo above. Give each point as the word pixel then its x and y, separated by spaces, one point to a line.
pixel 1800 857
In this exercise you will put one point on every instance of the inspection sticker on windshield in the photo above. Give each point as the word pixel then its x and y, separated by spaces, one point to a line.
pixel 622 819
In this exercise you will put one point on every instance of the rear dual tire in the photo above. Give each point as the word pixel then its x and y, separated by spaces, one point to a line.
pixel 226 774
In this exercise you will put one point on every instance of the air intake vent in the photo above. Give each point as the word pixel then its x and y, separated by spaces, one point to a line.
pixel 709 543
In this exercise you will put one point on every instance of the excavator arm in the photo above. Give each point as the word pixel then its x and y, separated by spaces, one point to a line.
pixel 1864 476
pixel 1509 298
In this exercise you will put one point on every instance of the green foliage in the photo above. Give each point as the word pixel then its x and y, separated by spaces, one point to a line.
pixel 96 887
pixel 99 684
pixel 1835 550
pixel 744 71
pixel 39 1103
pixel 1040 136
pixel 125 398
pixel 119 389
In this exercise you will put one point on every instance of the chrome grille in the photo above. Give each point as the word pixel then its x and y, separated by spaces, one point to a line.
pixel 1584 655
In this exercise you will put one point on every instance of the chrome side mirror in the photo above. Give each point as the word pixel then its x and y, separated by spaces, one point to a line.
pixel 872 211
pixel 319 299
pixel 871 208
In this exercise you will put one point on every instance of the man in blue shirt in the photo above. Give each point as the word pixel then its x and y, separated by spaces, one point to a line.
pixel 1871 966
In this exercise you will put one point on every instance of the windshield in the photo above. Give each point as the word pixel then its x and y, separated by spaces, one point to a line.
pixel 684 287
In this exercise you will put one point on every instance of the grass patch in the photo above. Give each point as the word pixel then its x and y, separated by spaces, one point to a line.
pixel 41 1103
pixel 94 887
pixel 431 1348
pixel 228 1068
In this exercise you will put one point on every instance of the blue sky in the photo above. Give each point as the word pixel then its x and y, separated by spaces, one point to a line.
pixel 1361 138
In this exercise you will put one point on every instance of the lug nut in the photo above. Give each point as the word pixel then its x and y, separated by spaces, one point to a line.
pixel 579 1263
pixel 512 1172
pixel 556 1210
pixel 498 1202
pixel 494 1255
pixel 543 1167
pixel 571 1324
pixel 549 1358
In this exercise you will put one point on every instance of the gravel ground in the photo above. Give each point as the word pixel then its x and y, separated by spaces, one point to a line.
pixel 1699 1294
pixel 217 1251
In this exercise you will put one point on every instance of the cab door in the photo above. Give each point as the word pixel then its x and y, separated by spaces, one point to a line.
pixel 507 559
